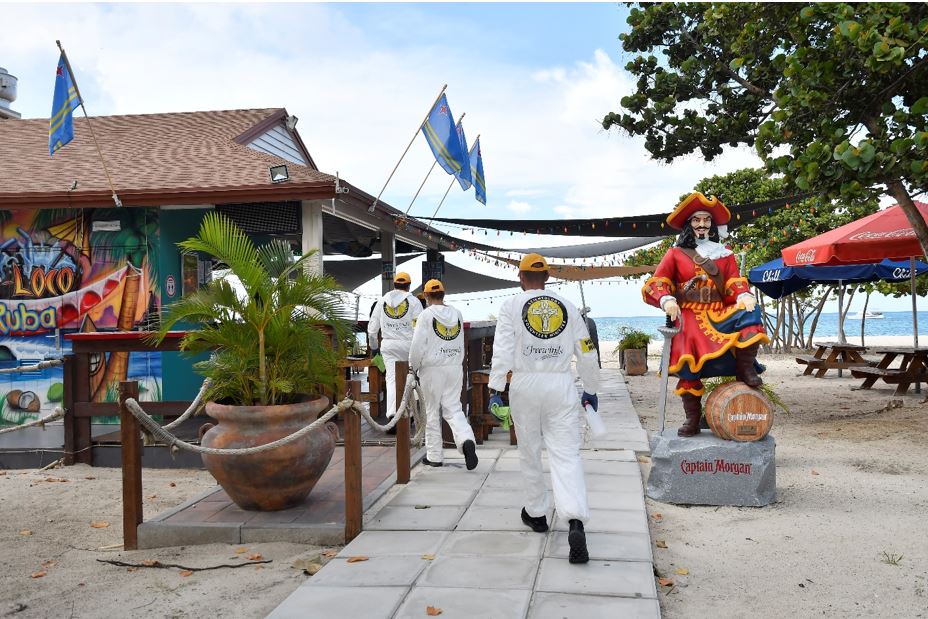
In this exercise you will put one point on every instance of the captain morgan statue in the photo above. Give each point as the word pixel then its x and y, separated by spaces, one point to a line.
pixel 698 285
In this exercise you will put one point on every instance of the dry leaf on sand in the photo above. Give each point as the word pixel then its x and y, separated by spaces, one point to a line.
pixel 428 557
pixel 328 554
pixel 665 582
pixel 37 575
pixel 186 573
pixel 254 557
pixel 431 611
pixel 240 551
pixel 25 532
pixel 357 559
pixel 660 543
pixel 99 524
pixel 682 571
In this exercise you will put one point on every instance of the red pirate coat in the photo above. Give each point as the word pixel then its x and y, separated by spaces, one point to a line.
pixel 713 322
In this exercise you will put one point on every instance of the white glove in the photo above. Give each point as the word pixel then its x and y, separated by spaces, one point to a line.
pixel 671 308
pixel 748 301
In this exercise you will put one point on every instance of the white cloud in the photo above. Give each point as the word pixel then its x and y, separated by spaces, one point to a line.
pixel 517 206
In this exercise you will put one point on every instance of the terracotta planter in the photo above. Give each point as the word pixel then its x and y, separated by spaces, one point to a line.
pixel 275 479
pixel 636 361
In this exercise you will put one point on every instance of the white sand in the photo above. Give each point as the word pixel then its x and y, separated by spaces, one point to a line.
pixel 64 546
pixel 852 484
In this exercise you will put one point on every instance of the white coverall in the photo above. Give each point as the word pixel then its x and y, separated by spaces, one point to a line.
pixel 537 334
pixel 437 356
pixel 395 317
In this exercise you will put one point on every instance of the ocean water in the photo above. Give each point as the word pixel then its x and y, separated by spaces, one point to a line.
pixel 893 323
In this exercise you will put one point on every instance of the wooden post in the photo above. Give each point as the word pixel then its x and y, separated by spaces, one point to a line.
pixel 81 392
pixel 354 500
pixel 131 467
pixel 70 427
pixel 402 427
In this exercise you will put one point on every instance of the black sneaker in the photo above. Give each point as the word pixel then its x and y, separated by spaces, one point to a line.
pixel 576 538
pixel 428 462
pixel 539 524
pixel 470 454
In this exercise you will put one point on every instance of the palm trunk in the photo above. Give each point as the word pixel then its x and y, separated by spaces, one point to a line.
pixel 898 191
pixel 863 319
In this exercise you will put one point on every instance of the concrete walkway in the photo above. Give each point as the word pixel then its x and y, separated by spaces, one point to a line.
pixel 452 539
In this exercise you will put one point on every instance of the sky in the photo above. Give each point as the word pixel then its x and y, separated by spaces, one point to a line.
pixel 534 81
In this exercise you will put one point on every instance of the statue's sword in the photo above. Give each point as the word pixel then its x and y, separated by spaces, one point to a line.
pixel 668 331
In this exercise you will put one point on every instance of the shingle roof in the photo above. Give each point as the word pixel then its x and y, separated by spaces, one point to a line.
pixel 154 159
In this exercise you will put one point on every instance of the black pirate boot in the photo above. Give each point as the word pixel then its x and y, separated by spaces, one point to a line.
pixel 692 406
pixel 744 366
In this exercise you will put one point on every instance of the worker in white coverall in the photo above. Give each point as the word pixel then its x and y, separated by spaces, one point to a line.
pixel 437 357
pixel 537 335
pixel 395 318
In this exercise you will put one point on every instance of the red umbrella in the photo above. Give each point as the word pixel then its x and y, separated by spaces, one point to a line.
pixel 884 234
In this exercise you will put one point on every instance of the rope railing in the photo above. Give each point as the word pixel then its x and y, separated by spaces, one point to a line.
pixel 161 432
pixel 58 413
pixel 50 363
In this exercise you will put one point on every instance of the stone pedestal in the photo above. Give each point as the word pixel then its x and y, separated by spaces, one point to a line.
pixel 706 470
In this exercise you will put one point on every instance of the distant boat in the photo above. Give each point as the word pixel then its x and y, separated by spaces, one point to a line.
pixel 871 315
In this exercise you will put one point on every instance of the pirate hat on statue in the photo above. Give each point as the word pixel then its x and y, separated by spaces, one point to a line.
pixel 694 203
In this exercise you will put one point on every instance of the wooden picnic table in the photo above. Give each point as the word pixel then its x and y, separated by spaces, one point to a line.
pixel 833 356
pixel 913 368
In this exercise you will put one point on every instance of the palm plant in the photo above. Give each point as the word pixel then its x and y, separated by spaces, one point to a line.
pixel 270 343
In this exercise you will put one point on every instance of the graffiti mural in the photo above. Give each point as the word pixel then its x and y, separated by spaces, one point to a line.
pixel 69 270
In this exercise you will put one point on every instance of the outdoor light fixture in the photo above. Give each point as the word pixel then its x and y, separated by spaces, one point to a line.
pixel 279 174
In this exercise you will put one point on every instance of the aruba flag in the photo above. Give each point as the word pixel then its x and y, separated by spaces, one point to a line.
pixel 464 176
pixel 476 173
pixel 65 101
pixel 442 137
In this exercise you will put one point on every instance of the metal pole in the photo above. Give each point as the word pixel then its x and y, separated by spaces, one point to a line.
pixel 434 163
pixel 67 63
pixel 582 297
pixel 450 185
pixel 918 385
pixel 371 208
pixel 841 338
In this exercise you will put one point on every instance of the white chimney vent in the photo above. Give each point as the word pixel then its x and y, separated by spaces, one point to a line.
pixel 7 94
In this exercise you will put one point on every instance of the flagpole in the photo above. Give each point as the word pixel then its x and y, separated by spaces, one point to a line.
pixel 452 179
pixel 371 208
pixel 109 180
pixel 434 163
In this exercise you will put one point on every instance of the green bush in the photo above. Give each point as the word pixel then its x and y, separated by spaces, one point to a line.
pixel 633 338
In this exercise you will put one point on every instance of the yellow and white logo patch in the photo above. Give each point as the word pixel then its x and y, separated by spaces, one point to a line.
pixel 444 332
pixel 544 317
pixel 396 312
pixel 587 345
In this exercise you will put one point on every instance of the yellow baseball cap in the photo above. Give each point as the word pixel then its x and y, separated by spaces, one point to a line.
pixel 433 285
pixel 402 278
pixel 533 262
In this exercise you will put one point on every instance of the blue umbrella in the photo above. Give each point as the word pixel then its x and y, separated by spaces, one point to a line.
pixel 776 280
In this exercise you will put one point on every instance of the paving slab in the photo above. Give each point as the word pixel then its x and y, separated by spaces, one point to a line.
pixel 615 500
pixel 458 603
pixel 326 601
pixel 408 518
pixel 566 606
pixel 615 578
pixel 613 483
pixel 479 573
pixel 375 572
pixel 493 543
pixel 422 495
pixel 499 497
pixel 622 455
pixel 607 467
pixel 394 543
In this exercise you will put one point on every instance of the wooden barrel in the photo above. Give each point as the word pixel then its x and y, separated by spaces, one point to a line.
pixel 736 412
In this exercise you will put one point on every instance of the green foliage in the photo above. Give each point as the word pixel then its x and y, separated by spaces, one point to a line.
pixel 711 384
pixel 833 96
pixel 269 345
pixel 764 238
pixel 633 338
